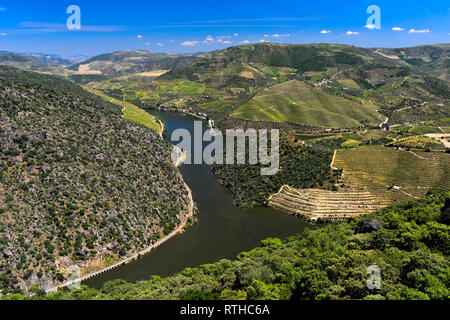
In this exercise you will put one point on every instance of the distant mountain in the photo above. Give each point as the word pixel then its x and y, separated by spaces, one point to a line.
pixel 71 171
pixel 130 62
pixel 399 89
pixel 35 62
pixel 434 59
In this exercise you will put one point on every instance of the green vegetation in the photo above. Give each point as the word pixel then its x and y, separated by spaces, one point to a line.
pixel 131 112
pixel 328 263
pixel 336 85
pixel 71 171
pixel 301 166
pixel 299 102
pixel 122 63
pixel 431 59
pixel 394 175
pixel 351 144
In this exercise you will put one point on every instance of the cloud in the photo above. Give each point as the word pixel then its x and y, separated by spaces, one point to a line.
pixel 140 36
pixel 370 26
pixel 236 34
pixel 419 31
pixel 352 33
pixel 209 38
pixel 325 31
pixel 43 27
pixel 159 44
pixel 189 43
pixel 245 41
pixel 263 40
pixel 2 9
pixel 227 42
pixel 397 29
pixel 147 43
pixel 276 36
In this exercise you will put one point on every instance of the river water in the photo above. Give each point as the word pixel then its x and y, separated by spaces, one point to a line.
pixel 222 231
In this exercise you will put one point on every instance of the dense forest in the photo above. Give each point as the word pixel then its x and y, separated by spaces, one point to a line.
pixel 79 185
pixel 330 262
pixel 301 166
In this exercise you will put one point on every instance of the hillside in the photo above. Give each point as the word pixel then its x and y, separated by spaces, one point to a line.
pixel 222 81
pixel 327 263
pixel 130 62
pixel 434 59
pixel 79 185
pixel 36 62
pixel 296 101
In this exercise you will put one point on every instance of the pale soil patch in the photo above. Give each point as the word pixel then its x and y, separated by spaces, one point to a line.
pixel 247 74
pixel 442 137
pixel 387 56
pixel 86 69
pixel 154 73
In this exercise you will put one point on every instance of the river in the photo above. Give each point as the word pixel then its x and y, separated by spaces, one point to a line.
pixel 222 231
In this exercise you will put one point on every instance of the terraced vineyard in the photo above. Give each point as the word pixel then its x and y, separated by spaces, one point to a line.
pixel 298 102
pixel 395 176
pixel 317 204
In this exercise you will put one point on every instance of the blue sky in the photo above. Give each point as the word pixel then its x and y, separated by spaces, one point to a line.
pixel 194 26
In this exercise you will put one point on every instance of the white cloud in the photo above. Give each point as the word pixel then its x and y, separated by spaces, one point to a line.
pixel 209 38
pixel 245 41
pixel 420 31
pixel 325 31
pixel 227 42
pixel 159 44
pixel 397 29
pixel 189 43
pixel 370 26
pixel 140 36
pixel 3 34
pixel 276 36
pixel 236 34
pixel 147 43
pixel 351 33
pixel 263 40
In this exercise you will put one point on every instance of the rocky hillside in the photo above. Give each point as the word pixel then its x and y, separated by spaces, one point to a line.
pixel 79 185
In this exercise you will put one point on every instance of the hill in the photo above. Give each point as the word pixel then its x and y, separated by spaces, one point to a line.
pixel 327 263
pixel 222 81
pixel 79 185
pixel 130 62
pixel 35 62
pixel 434 59
pixel 299 102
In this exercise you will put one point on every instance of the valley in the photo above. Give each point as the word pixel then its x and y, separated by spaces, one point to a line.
pixel 86 177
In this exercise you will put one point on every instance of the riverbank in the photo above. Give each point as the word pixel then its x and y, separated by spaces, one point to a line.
pixel 222 231
pixel 144 252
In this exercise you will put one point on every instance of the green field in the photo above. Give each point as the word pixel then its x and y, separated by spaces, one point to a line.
pixel 131 112
pixel 419 129
pixel 298 102
pixel 378 169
